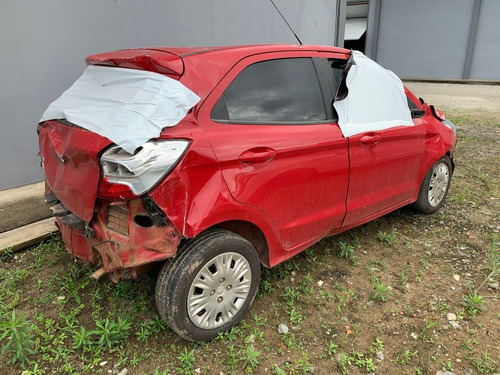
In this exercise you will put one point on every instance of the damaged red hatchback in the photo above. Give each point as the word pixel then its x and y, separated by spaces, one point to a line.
pixel 281 147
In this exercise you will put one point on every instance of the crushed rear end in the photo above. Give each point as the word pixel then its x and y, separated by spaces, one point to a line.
pixel 102 208
pixel 120 234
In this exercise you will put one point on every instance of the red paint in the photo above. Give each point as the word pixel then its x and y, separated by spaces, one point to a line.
pixel 282 187
pixel 71 167
pixel 384 173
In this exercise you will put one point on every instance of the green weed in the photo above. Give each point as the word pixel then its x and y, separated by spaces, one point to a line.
pixel 404 358
pixel 331 348
pixel 447 366
pixel 387 238
pixel 346 250
pixel 426 333
pixel 20 341
pixel 377 346
pixel 110 332
pixel 381 292
pixel 186 361
pixel 485 364
pixel 6 254
pixel 249 358
pixel 82 339
pixel 473 303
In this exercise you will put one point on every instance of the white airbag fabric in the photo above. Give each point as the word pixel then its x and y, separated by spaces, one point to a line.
pixel 375 101
pixel 127 106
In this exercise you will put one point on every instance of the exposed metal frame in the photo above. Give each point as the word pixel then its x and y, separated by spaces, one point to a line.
pixel 472 39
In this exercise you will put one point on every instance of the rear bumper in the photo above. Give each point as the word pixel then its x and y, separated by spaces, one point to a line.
pixel 121 238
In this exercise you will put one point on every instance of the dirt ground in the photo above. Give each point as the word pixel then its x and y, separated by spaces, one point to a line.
pixel 405 294
pixel 479 101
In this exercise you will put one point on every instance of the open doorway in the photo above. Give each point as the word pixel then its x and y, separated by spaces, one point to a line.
pixel 356 24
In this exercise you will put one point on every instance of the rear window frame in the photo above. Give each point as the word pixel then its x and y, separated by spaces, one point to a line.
pixel 324 92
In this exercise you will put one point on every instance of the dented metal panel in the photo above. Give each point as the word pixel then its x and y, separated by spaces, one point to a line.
pixel 69 155
pixel 119 248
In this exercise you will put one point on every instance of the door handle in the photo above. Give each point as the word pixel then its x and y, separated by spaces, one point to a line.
pixel 257 155
pixel 370 139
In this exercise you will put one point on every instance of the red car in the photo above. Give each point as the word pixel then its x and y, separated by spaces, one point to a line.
pixel 257 171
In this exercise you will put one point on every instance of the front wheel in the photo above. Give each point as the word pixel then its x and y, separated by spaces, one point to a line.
pixel 434 187
pixel 210 286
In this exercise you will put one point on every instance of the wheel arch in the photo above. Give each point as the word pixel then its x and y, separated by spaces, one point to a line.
pixel 252 233
pixel 450 155
pixel 432 158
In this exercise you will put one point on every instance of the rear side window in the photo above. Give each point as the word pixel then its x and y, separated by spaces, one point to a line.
pixel 280 91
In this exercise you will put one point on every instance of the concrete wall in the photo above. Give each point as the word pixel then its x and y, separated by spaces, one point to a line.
pixel 425 38
pixel 43 45
pixel 486 52
pixel 445 39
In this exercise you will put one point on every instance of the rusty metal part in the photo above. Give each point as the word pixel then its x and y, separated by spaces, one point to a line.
pixel 122 247
pixel 157 215
pixel 141 246
pixel 117 218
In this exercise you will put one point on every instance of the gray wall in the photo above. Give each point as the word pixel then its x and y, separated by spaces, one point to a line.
pixel 43 45
pixel 425 38
pixel 486 51
pixel 445 39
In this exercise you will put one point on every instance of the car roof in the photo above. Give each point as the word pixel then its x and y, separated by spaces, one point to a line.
pixel 246 49
pixel 205 67
pixel 199 68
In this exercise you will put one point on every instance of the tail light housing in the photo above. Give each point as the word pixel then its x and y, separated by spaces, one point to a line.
pixel 127 176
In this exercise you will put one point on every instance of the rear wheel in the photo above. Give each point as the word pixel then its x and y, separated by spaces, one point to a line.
pixel 210 286
pixel 434 187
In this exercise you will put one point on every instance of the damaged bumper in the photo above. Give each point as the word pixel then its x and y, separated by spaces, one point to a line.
pixel 122 237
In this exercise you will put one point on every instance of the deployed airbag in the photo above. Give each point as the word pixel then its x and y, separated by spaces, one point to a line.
pixel 375 99
pixel 127 106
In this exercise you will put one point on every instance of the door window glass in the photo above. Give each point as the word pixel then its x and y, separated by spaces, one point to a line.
pixel 282 90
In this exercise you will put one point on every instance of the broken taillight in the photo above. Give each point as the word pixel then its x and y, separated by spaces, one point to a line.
pixel 137 173
pixel 114 191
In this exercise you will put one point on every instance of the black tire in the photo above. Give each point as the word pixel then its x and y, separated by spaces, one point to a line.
pixel 175 286
pixel 435 187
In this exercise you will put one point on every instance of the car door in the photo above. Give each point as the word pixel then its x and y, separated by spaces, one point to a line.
pixel 383 171
pixel 278 147
pixel 384 167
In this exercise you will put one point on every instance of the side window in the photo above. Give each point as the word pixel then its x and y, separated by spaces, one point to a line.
pixel 332 73
pixel 282 90
pixel 336 74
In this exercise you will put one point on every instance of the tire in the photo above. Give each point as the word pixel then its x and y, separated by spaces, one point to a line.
pixel 210 286
pixel 435 186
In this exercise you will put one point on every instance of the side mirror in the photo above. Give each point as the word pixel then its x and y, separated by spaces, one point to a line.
pixel 417 113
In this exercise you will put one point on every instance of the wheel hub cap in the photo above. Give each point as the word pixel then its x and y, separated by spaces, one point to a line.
pixel 438 184
pixel 219 290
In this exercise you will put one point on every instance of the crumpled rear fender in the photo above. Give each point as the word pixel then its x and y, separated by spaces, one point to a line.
pixel 195 197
